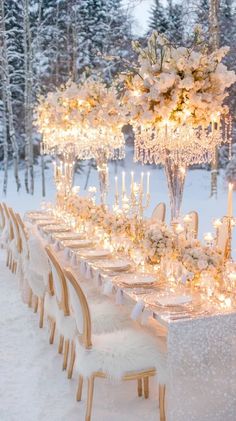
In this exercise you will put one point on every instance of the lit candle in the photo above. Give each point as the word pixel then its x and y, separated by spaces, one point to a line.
pixel 148 182
pixel 54 169
pixel 141 181
pixel 123 182
pixel 232 277
pixel 132 181
pixel 187 219
pixel 217 223
pixel 116 185
pixel 230 200
pixel 179 228
pixel 208 237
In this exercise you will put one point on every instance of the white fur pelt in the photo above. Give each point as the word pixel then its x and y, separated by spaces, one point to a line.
pixel 50 306
pixel 5 235
pixel 107 317
pixel 66 325
pixel 38 260
pixel 36 267
pixel 121 352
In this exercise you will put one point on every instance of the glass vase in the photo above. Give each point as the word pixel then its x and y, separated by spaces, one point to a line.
pixel 175 174
pixel 102 167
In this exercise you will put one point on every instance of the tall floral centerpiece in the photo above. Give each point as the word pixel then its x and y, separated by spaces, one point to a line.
pixel 102 123
pixel 55 115
pixel 175 102
pixel 82 121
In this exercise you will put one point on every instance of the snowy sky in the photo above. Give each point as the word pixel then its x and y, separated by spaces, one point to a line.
pixel 140 10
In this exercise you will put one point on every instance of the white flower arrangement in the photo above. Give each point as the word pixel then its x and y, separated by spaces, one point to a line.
pixel 81 206
pixel 197 258
pixel 118 223
pixel 158 241
pixel 183 86
pixel 88 115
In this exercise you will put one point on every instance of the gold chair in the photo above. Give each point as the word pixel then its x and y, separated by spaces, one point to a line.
pixel 222 237
pixel 15 244
pixel 2 218
pixel 9 234
pixel 97 362
pixel 159 213
pixel 193 223
pixel 64 323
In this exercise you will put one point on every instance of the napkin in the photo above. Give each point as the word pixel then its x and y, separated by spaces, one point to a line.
pixel 137 310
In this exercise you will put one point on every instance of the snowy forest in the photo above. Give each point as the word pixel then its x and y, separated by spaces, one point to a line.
pixel 43 43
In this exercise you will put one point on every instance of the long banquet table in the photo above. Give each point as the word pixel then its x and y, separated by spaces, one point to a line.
pixel 201 351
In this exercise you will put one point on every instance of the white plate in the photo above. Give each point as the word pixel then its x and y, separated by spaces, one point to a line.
pixel 173 300
pixel 43 222
pixel 77 243
pixel 136 278
pixel 114 264
pixel 36 216
pixel 96 253
pixel 55 228
pixel 69 236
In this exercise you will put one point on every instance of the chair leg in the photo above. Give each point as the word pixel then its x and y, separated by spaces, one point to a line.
pixel 89 398
pixel 60 346
pixel 35 304
pixel 146 387
pixel 14 267
pixel 41 312
pixel 80 389
pixel 30 298
pixel 8 259
pixel 72 360
pixel 66 352
pixel 162 391
pixel 140 388
pixel 52 332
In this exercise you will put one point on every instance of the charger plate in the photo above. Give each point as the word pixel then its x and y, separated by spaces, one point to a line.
pixel 134 280
pixel 113 264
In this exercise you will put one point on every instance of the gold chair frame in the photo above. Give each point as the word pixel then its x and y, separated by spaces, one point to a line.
pixel 86 341
pixel 161 206
pixel 63 305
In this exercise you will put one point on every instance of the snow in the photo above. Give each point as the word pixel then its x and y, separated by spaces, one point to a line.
pixel 32 383
pixel 196 193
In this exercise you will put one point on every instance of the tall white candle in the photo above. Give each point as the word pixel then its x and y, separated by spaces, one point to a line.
pixel 116 185
pixel 148 182
pixel 230 200
pixel 132 181
pixel 141 181
pixel 123 182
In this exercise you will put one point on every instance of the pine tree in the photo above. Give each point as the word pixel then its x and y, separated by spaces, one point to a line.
pixel 175 21
pixel 158 19
pixel 103 30
pixel 202 18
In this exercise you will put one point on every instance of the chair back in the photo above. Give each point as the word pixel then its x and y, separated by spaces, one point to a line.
pixel 2 217
pixel 8 221
pixel 223 236
pixel 193 224
pixel 23 235
pixel 159 213
pixel 80 309
pixel 59 281
pixel 15 228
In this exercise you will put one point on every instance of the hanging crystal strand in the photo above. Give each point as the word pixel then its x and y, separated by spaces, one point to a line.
pixel 175 174
pixel 102 167
pixel 214 42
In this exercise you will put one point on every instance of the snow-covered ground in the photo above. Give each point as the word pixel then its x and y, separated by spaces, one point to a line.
pixel 196 193
pixel 33 386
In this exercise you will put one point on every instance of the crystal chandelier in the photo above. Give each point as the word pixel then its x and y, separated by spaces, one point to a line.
pixel 183 145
